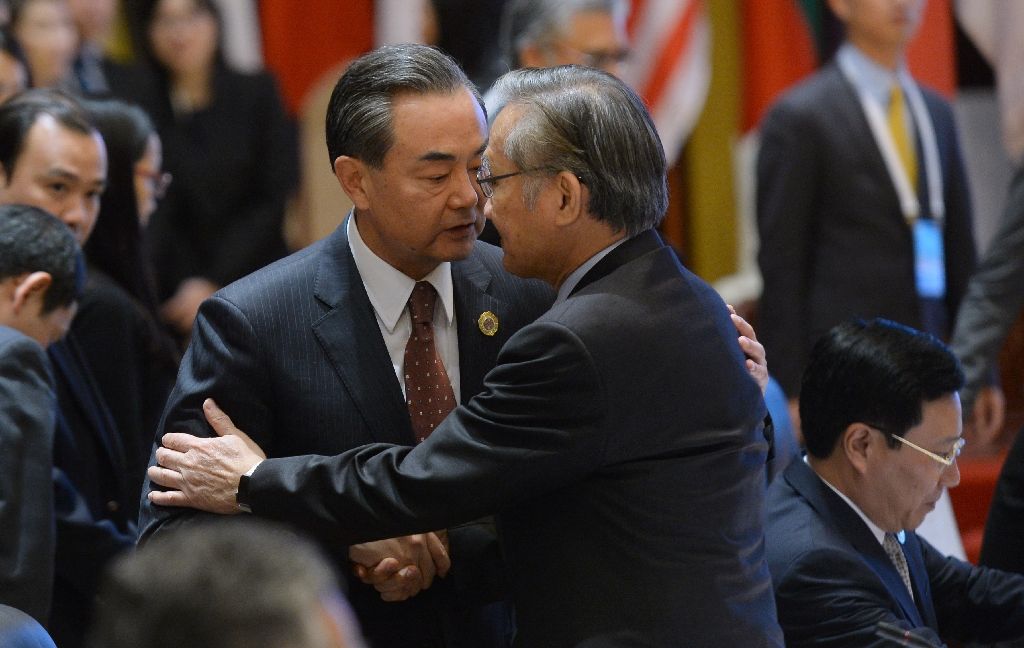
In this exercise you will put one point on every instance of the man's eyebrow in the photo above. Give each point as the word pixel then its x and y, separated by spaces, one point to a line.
pixel 437 156
pixel 441 156
pixel 64 174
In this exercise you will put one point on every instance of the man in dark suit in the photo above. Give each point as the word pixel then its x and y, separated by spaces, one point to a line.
pixel 856 219
pixel 619 437
pixel 881 419
pixel 41 276
pixel 310 352
pixel 51 157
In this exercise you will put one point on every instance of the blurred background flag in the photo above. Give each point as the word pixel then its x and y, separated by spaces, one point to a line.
pixel 671 65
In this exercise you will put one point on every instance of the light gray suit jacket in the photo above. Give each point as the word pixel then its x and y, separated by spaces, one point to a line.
pixel 994 297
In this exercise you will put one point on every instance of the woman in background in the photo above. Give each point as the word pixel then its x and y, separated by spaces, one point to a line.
pixel 134 360
pixel 46 33
pixel 231 149
pixel 13 68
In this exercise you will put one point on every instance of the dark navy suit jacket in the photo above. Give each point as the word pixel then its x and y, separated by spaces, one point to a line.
pixel 834 582
pixel 834 242
pixel 294 354
pixel 91 496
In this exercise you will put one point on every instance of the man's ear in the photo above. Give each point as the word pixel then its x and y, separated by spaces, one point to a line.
pixel 3 176
pixel 30 288
pixel 571 198
pixel 352 175
pixel 855 443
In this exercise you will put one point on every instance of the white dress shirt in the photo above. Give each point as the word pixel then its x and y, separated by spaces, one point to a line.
pixel 389 290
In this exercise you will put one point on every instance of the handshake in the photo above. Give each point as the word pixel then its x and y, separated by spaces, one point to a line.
pixel 399 568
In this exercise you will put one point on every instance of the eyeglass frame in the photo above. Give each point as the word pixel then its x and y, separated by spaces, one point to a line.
pixel 486 182
pixel 946 460
pixel 161 181
pixel 597 59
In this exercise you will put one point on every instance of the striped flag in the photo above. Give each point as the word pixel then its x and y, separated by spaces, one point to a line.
pixel 242 36
pixel 399 21
pixel 671 67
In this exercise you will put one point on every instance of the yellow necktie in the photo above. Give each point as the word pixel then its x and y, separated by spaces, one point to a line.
pixel 900 137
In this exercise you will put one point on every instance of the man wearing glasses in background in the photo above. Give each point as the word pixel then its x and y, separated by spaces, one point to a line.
pixel 545 33
pixel 881 419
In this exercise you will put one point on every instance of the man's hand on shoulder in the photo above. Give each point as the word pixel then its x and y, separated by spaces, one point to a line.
pixel 203 473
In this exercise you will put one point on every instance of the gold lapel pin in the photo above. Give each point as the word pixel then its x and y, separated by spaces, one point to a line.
pixel 488 323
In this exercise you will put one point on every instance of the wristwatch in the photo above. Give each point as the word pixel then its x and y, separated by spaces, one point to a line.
pixel 242 493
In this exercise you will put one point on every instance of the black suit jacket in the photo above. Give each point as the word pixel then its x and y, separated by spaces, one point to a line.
pixel 619 439
pixel 234 167
pixel 1002 547
pixel 27 417
pixel 91 496
pixel 834 242
pixel 134 363
pixel 834 582
pixel 295 354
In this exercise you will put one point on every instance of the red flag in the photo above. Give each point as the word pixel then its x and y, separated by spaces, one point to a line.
pixel 671 66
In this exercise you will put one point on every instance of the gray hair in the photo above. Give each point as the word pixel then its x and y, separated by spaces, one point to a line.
pixel 359 114
pixel 222 584
pixel 589 123
pixel 531 22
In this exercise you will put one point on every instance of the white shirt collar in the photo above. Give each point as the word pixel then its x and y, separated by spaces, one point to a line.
pixel 870 77
pixel 389 288
pixel 875 529
pixel 576 275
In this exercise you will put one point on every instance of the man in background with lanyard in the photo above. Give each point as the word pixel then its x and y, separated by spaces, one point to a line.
pixel 862 201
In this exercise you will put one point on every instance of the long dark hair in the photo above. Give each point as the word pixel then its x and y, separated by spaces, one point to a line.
pixel 159 106
pixel 116 245
pixel 147 12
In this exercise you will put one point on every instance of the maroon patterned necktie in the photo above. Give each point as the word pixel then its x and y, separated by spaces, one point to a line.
pixel 428 393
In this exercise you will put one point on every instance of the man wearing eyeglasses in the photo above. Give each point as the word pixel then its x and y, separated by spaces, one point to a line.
pixel 544 33
pixel 881 420
pixel 618 440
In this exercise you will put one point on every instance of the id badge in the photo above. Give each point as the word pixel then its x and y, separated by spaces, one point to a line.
pixel 929 259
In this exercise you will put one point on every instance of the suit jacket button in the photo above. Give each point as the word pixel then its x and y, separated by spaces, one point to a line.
pixel 113 506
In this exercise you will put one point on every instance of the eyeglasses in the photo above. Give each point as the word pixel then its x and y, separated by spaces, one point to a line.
pixel 945 459
pixel 487 181
pixel 159 181
pixel 599 59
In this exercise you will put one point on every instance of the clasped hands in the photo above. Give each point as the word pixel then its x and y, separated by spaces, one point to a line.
pixel 203 473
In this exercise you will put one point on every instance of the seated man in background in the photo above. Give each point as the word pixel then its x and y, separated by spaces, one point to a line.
pixel 881 420
pixel 41 277
pixel 53 158
pixel 249 585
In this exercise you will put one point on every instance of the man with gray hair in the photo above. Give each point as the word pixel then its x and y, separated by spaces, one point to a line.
pixel 545 33
pixel 247 585
pixel 619 439
pixel 315 354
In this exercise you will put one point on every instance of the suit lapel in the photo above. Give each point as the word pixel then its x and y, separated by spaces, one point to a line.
pixel 919 578
pixel 350 337
pixel 477 351
pixel 856 132
pixel 633 248
pixel 845 520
